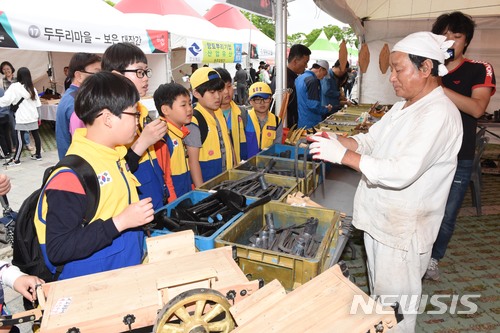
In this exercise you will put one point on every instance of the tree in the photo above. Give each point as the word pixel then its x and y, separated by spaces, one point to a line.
pixel 341 33
pixel 267 26
pixel 297 38
pixel 264 24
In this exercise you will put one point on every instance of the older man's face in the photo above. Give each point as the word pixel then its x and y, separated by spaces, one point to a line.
pixel 299 65
pixel 407 81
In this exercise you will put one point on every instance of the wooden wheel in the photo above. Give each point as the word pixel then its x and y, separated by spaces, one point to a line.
pixel 195 311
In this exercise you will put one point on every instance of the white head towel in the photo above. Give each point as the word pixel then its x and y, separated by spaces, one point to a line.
pixel 426 44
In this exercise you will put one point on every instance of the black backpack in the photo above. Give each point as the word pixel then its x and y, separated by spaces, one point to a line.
pixel 27 254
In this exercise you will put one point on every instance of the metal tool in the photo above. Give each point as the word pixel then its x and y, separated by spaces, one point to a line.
pixel 345 233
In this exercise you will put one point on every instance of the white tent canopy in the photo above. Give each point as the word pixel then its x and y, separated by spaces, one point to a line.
pixel 36 36
pixel 388 21
pixel 63 25
pixel 230 18
pixel 182 27
pixel 322 48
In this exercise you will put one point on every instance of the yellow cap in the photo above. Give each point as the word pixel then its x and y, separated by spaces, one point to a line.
pixel 259 89
pixel 202 75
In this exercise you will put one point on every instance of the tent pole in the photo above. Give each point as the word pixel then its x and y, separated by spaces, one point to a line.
pixel 169 59
pixel 361 40
pixel 248 59
pixel 280 63
pixel 50 73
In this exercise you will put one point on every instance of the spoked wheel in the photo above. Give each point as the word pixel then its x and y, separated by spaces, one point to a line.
pixel 195 311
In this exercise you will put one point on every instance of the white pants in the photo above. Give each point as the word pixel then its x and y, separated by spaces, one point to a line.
pixel 396 276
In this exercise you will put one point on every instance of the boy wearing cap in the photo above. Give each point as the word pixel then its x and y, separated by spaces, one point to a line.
pixel 308 89
pixel 208 144
pixel 263 127
pixel 236 116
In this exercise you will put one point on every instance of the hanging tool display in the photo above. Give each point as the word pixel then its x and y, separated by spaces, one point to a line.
pixel 206 216
pixel 300 240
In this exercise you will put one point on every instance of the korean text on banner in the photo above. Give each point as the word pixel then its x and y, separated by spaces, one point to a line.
pixel 41 33
pixel 202 51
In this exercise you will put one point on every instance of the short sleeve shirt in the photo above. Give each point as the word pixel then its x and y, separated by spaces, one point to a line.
pixel 464 79
pixel 193 139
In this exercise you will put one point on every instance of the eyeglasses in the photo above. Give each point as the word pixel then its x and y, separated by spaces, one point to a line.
pixel 259 100
pixel 139 72
pixel 84 71
pixel 136 114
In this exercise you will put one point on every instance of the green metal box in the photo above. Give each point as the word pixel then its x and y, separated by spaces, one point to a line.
pixel 291 270
pixel 290 184
pixel 287 168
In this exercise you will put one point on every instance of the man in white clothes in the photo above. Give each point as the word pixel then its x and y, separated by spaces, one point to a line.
pixel 407 161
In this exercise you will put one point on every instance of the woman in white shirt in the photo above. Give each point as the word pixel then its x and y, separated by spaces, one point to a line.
pixel 264 74
pixel 27 114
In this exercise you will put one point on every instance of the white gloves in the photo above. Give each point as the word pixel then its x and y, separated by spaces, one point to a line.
pixel 330 150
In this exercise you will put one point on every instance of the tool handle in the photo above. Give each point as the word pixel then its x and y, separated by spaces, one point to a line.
pixel 4 201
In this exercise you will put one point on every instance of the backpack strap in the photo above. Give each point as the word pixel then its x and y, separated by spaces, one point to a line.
pixel 202 125
pixel 88 179
pixel 244 115
pixel 20 101
pixel 278 120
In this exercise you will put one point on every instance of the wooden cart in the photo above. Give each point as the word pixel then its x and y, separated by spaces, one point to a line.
pixel 134 297
pixel 183 291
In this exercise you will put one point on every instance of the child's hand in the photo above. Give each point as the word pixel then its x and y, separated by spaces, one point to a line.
pixel 151 134
pixel 135 215
pixel 4 184
pixel 26 286
pixel 154 131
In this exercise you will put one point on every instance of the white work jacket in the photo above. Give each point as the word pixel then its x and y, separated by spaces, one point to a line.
pixel 408 161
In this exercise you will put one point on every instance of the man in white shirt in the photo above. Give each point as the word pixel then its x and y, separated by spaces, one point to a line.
pixel 407 161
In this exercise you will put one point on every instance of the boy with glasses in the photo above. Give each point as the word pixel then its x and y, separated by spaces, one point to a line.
pixel 263 128
pixel 113 238
pixel 130 61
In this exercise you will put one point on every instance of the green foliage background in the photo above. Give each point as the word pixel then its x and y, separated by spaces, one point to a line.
pixel 267 26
